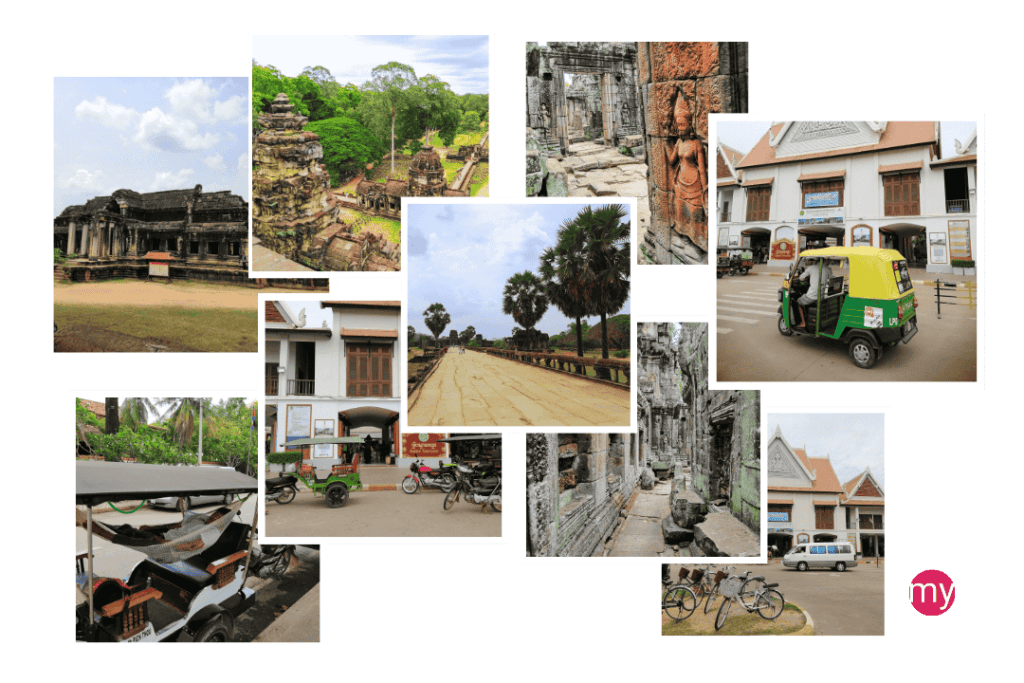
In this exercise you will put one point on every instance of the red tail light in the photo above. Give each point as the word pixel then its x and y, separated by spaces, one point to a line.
pixel 915 302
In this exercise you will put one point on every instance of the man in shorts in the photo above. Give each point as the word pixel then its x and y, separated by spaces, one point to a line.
pixel 815 276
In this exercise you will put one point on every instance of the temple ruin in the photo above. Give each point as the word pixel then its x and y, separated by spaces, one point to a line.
pixel 174 233
pixel 633 123
pixel 294 212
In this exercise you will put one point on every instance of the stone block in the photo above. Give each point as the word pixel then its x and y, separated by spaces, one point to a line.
pixel 643 63
pixel 661 106
pixel 532 161
pixel 687 507
pixel 680 61
pixel 647 479
pixel 558 180
pixel 675 534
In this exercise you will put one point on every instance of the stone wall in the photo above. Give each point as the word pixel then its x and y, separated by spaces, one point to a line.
pixel 680 84
pixel 659 394
pixel 576 485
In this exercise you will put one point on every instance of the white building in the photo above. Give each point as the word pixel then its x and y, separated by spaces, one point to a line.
pixel 809 184
pixel 807 503
pixel 341 379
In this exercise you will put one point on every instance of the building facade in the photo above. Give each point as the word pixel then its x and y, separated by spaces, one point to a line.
pixel 811 184
pixel 340 379
pixel 807 503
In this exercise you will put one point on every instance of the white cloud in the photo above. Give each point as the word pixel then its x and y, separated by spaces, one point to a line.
pixel 167 180
pixel 195 99
pixel 109 114
pixel 243 162
pixel 85 180
pixel 159 130
pixel 230 109
pixel 216 162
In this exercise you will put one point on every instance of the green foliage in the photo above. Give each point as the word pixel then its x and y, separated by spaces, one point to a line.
pixel 466 336
pixel 86 416
pixel 474 102
pixel 962 263
pixel 499 343
pixel 622 353
pixel 144 445
pixel 415 146
pixel 470 122
pixel 474 342
pixel 524 299
pixel 58 257
pixel 436 318
pixel 284 457
pixel 348 146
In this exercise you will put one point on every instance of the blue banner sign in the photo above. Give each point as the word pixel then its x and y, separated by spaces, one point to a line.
pixel 778 516
pixel 816 199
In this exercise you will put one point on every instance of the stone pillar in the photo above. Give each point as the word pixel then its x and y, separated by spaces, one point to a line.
pixel 83 248
pixel 71 236
pixel 681 83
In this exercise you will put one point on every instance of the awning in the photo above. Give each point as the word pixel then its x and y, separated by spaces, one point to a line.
pixel 470 437
pixel 825 175
pixel 101 482
pixel 758 181
pixel 894 168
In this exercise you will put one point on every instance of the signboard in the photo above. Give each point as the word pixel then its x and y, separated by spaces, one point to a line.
pixel 159 269
pixel 323 428
pixel 818 199
pixel 937 245
pixel 297 421
pixel 828 216
pixel 783 250
pixel 424 446
pixel 734 240
pixel 960 240
pixel 778 516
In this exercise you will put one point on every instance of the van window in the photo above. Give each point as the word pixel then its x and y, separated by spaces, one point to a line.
pixel 847 549
pixel 817 550
pixel 833 550
pixel 798 549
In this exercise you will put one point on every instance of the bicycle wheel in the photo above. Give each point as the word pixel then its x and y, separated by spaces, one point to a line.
pixel 679 602
pixel 770 604
pixel 723 613
pixel 749 592
pixel 712 596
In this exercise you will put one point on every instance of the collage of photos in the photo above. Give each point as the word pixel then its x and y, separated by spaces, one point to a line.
pixel 713 383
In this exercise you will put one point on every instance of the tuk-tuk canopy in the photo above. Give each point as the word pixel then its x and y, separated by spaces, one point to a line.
pixel 871 270
pixel 101 482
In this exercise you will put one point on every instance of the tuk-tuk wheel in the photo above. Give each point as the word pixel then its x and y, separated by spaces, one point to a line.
pixel 784 329
pixel 336 495
pixel 720 273
pixel 215 631
pixel 744 270
pixel 862 354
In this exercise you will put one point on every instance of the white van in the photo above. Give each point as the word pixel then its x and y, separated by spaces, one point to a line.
pixel 836 555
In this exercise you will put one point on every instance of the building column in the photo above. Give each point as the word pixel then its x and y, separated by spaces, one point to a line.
pixel 71 237
pixel 282 368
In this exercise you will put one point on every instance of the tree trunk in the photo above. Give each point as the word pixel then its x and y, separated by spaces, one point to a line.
pixel 113 416
pixel 579 343
pixel 604 373
pixel 392 139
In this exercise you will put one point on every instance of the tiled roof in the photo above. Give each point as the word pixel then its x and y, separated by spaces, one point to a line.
pixel 158 256
pixel 271 313
pixel 758 181
pixel 728 181
pixel 955 160
pixel 821 176
pixel 909 166
pixel 897 134
pixel 389 334
pixel 779 502
pixel 95 407
pixel 362 304
pixel 826 502
pixel 825 480
pixel 863 503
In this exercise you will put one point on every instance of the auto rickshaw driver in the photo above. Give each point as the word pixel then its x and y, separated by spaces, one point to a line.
pixel 816 271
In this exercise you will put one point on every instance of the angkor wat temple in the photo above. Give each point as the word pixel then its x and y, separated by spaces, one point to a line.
pixel 198 235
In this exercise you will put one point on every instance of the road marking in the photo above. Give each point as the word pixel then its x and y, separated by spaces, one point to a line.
pixel 748 311
pixel 736 320
pixel 743 302
pixel 724 330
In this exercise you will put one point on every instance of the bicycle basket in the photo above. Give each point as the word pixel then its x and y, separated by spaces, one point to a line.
pixel 720 576
pixel 683 573
pixel 731 586
pixel 697 575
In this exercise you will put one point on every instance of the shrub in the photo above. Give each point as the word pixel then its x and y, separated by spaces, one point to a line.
pixel 58 257
pixel 284 457
pixel 621 353
pixel 962 263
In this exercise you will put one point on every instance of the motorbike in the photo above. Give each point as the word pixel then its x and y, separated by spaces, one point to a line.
pixel 422 475
pixel 281 490
pixel 480 485
pixel 270 560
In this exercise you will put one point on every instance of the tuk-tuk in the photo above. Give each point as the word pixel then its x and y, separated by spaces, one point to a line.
pixel 189 584
pixel 724 263
pixel 869 303
pixel 740 261
pixel 333 480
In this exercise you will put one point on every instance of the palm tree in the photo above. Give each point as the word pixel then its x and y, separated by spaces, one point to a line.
pixel 436 318
pixel 183 415
pixel 136 411
pixel 525 300
pixel 560 269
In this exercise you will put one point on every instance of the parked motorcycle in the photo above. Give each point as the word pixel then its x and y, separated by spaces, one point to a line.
pixel 270 560
pixel 480 485
pixel 281 490
pixel 422 475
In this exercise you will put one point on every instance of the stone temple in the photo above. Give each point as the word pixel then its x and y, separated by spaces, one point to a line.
pixel 426 179
pixel 191 233
pixel 294 212
pixel 632 123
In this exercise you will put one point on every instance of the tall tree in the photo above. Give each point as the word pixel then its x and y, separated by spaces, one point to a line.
pixel 135 411
pixel 391 81
pixel 182 416
pixel 348 146
pixel 561 269
pixel 604 238
pixel 436 318
pixel 467 335
pixel 524 299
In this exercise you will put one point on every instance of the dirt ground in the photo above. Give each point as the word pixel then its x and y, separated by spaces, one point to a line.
pixel 139 293
pixel 475 389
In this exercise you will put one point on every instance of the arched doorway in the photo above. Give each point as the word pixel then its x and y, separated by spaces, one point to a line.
pixel 822 236
pixel 824 538
pixel 758 241
pixel 780 542
pixel 377 426
pixel 909 240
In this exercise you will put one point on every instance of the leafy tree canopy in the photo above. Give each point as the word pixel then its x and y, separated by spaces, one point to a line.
pixel 436 318
pixel 348 146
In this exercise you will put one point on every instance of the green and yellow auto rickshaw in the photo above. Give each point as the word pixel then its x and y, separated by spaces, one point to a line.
pixel 865 298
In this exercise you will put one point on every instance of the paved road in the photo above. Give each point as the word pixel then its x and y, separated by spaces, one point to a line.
pixel 380 513
pixel 640 534
pixel 476 389
pixel 750 347
pixel 276 597
pixel 851 603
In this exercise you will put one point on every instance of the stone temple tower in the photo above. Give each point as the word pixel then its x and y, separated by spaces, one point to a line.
pixel 426 174
pixel 291 187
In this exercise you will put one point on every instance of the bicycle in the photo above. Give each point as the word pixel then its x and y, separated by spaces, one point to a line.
pixel 764 600
pixel 679 601
pixel 716 587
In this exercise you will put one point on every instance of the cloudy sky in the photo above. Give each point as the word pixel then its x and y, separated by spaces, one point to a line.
pixel 460 61
pixel 743 135
pixel 461 256
pixel 853 440
pixel 148 134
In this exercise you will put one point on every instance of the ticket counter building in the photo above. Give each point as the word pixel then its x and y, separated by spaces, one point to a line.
pixel 807 502
pixel 811 184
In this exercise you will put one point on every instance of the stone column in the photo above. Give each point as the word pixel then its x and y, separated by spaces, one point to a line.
pixel 681 83
pixel 71 236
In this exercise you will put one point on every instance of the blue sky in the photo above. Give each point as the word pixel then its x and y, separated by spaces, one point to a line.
pixel 743 135
pixel 462 254
pixel 460 61
pixel 853 440
pixel 148 134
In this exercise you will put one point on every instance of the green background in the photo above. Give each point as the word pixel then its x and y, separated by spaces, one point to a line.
pixel 471 611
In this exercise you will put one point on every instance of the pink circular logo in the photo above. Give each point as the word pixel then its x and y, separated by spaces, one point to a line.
pixel 931 592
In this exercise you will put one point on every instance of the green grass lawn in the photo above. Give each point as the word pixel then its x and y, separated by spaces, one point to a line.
pixel 451 169
pixel 207 329
pixel 738 623
pixel 480 175
pixel 391 228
